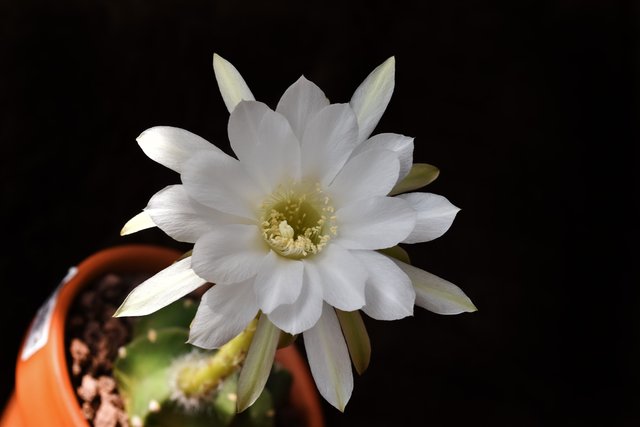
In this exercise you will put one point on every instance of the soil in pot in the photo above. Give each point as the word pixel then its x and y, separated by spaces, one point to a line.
pixel 94 338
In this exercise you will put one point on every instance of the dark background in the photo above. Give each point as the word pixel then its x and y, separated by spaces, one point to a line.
pixel 528 108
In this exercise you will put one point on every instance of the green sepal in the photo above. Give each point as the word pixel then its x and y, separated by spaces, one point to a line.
pixel 257 365
pixel 396 252
pixel 421 174
pixel 357 339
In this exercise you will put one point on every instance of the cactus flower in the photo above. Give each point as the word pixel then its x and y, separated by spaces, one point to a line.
pixel 294 225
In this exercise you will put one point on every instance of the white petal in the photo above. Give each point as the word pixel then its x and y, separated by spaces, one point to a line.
pixel 435 216
pixel 172 147
pixel 265 144
pixel 232 86
pixel 328 142
pixel 160 290
pixel 305 311
pixel 436 294
pixel 342 277
pixel 140 222
pixel 372 173
pixel 224 312
pixel 375 223
pixel 372 97
pixel 300 103
pixel 388 291
pixel 243 126
pixel 183 218
pixel 279 281
pixel 329 359
pixel 229 254
pixel 399 144
pixel 222 184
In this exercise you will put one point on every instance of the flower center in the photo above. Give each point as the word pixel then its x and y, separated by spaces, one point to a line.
pixel 298 221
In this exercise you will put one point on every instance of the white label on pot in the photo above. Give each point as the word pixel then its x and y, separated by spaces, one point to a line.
pixel 38 334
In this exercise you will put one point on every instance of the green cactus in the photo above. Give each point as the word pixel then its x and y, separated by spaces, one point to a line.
pixel 151 369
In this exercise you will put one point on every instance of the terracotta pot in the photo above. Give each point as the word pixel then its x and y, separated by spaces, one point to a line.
pixel 44 395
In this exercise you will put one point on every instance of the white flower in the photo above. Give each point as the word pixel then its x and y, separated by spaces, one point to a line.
pixel 292 227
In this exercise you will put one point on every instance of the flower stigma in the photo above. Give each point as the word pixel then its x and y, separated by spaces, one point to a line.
pixel 298 221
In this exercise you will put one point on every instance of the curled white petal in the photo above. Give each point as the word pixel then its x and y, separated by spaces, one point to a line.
pixel 435 214
pixel 221 183
pixel 375 223
pixel 388 292
pixel 278 281
pixel 160 290
pixel 224 312
pixel 265 144
pixel 399 144
pixel 371 98
pixel 305 311
pixel 232 86
pixel 372 173
pixel 436 294
pixel 229 254
pixel 172 147
pixel 328 141
pixel 329 359
pixel 182 218
pixel 300 103
pixel 341 275
pixel 140 222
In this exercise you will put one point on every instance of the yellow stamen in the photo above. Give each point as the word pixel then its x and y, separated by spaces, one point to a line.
pixel 298 222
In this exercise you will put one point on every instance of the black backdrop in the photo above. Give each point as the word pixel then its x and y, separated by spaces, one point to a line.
pixel 527 108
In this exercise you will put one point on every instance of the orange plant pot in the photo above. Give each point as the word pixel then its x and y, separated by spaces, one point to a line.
pixel 43 393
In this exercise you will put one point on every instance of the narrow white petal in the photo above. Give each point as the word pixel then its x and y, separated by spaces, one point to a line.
pixel 399 144
pixel 265 144
pixel 436 294
pixel 172 147
pixel 372 173
pixel 388 291
pixel 183 218
pixel 435 214
pixel 140 222
pixel 222 184
pixel 224 312
pixel 329 359
pixel 305 311
pixel 300 103
pixel 328 141
pixel 229 254
pixel 342 277
pixel 257 366
pixel 278 282
pixel 232 86
pixel 372 97
pixel 160 290
pixel 375 223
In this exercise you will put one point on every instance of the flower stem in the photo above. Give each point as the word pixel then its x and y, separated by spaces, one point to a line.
pixel 197 380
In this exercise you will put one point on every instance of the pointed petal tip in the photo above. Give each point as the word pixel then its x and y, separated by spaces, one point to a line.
pixel 140 222
pixel 123 311
pixel 217 59
pixel 232 86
